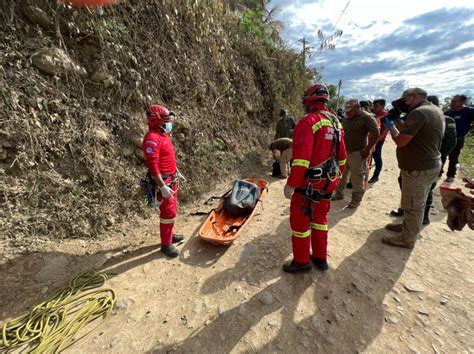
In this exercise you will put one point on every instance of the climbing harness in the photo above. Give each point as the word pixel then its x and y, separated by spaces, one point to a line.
pixel 328 171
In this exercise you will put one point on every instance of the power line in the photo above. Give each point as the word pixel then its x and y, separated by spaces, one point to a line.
pixel 342 13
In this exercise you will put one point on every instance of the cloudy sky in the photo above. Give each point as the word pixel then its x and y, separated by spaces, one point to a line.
pixel 388 45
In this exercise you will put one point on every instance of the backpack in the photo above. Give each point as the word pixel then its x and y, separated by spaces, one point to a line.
pixel 242 199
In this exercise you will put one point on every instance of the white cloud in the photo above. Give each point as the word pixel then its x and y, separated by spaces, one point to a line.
pixel 379 71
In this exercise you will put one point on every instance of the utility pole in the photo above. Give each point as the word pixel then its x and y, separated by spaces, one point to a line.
pixel 306 48
pixel 339 84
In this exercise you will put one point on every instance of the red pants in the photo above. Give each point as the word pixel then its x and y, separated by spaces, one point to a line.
pixel 306 232
pixel 168 210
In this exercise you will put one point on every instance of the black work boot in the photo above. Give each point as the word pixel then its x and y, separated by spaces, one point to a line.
pixel 321 264
pixel 398 212
pixel 293 267
pixel 426 219
pixel 374 179
pixel 178 238
pixel 170 251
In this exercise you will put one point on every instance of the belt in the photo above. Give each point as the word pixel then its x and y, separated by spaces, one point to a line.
pixel 315 195
pixel 168 175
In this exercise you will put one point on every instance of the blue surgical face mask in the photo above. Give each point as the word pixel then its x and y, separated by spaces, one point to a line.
pixel 168 127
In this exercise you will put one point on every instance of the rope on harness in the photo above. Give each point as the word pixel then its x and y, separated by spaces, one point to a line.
pixel 53 325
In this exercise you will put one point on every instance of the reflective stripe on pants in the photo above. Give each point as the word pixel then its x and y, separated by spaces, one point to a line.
pixel 317 228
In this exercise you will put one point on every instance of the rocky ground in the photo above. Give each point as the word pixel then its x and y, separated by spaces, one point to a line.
pixel 375 298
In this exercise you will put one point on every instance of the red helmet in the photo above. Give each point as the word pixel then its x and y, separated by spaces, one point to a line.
pixel 159 114
pixel 317 92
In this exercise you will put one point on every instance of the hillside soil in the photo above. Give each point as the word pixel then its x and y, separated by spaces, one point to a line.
pixel 374 298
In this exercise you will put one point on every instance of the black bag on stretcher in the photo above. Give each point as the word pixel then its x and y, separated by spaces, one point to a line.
pixel 242 198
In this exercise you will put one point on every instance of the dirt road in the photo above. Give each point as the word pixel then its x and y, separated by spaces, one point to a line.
pixel 375 298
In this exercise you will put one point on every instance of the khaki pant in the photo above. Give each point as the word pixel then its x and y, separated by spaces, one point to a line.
pixel 415 188
pixel 284 161
pixel 355 166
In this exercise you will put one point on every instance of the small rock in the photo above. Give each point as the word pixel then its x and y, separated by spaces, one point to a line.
pixel 413 350
pixel 110 221
pixel 115 340
pixel 44 290
pixel 220 310
pixel 122 304
pixel 148 313
pixel 413 288
pixel 101 135
pixel 397 299
pixel 435 350
pixel 266 298
pixel 443 301
pixel 184 320
pixel 38 16
pixel 55 61
pixel 423 312
pixel 391 319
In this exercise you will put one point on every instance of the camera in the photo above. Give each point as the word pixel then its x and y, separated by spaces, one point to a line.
pixel 393 114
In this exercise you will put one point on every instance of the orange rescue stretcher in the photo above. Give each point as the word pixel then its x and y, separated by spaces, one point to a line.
pixel 220 228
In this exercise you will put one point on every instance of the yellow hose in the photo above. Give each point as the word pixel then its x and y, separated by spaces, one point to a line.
pixel 54 325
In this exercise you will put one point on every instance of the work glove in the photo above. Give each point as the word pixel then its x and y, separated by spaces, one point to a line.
pixel 387 123
pixel 166 192
pixel 288 191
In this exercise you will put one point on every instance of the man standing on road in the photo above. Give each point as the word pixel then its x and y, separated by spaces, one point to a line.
pixel 285 125
pixel 281 150
pixel 318 156
pixel 161 162
pixel 419 159
pixel 379 110
pixel 360 135
pixel 464 116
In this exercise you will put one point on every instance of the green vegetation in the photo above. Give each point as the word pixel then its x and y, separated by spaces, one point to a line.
pixel 467 154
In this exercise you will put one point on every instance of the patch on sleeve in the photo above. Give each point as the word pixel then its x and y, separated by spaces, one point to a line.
pixel 149 150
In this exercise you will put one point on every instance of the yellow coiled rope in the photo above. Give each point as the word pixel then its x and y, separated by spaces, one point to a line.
pixel 52 326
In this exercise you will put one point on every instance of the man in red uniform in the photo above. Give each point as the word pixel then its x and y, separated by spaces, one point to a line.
pixel 319 155
pixel 161 162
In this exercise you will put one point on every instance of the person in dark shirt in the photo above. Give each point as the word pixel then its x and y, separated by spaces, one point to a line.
pixel 463 116
pixel 285 125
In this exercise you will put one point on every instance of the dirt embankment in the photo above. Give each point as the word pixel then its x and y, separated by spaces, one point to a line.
pixel 73 87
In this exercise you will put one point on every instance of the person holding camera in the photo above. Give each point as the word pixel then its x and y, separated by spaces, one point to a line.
pixel 418 142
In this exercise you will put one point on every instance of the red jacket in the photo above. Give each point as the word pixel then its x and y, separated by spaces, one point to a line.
pixel 312 143
pixel 159 152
